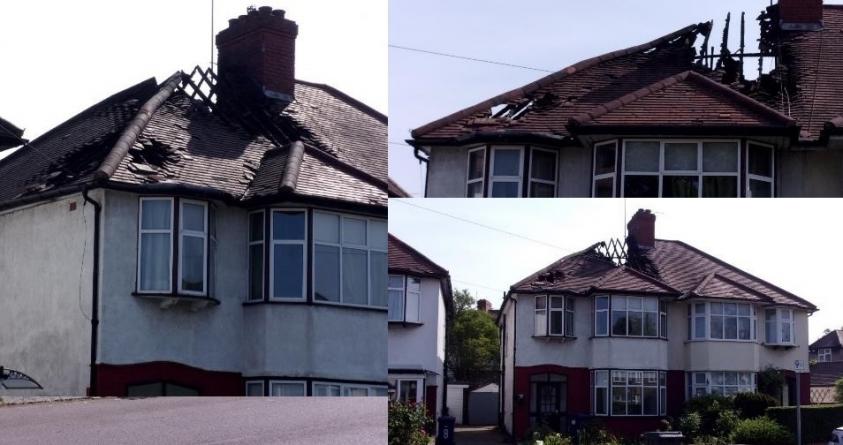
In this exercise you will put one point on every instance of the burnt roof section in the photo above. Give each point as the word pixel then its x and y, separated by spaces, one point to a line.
pixel 833 339
pixel 405 259
pixel 156 137
pixel 668 268
pixel 10 135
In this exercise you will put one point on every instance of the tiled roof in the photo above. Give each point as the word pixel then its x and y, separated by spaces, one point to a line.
pixel 405 259
pixel 833 339
pixel 395 190
pixel 670 268
pixel 826 373
pixel 180 143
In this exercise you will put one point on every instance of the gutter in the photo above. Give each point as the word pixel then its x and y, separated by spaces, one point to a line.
pixel 95 300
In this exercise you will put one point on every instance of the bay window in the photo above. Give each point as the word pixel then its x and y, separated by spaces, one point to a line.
pixel 155 244
pixel 288 254
pixel 778 325
pixel 720 383
pixel 254 388
pixel 476 173
pixel 506 168
pixel 404 299
pixel 721 321
pixel 283 388
pixel 329 389
pixel 760 170
pixel 193 256
pixel 629 393
pixel 543 167
pixel 256 242
pixel 554 316
pixel 601 316
pixel 605 170
pixel 630 317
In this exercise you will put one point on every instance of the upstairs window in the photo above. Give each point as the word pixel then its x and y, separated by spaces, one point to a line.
pixel 476 173
pixel 404 299
pixel 554 316
pixel 721 321
pixel 256 242
pixel 155 244
pixel 193 254
pixel 760 170
pixel 506 166
pixel 605 170
pixel 778 326
pixel 824 355
pixel 634 317
pixel 542 173
pixel 288 255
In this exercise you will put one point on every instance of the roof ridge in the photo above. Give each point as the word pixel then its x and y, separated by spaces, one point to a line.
pixel 742 286
pixel 703 283
pixel 544 81
pixel 553 264
pixel 413 250
pixel 356 103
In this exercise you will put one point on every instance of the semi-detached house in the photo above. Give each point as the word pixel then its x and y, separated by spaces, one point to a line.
pixel 217 233
pixel 629 337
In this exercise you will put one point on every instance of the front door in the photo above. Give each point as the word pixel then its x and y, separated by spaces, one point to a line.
pixel 549 401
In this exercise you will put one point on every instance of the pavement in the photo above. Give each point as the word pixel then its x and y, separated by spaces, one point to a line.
pixel 478 435
pixel 165 420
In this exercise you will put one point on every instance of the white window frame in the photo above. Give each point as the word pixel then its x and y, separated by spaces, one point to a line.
pixel 369 248
pixel 262 243
pixel 403 290
pixel 567 307
pixel 555 181
pixel 273 242
pixel 709 384
pixel 608 312
pixel 660 386
pixel 419 389
pixel 771 179
pixel 613 175
pixel 192 233
pixel 505 179
pixel 482 178
pixel 662 172
pixel 371 390
pixel 694 317
pixel 642 311
pixel 142 231
pixel 289 382
pixel 255 382
pixel 778 320
pixel 315 384
pixel 824 355
pixel 606 396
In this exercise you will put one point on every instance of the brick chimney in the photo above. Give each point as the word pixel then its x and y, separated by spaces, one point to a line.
pixel 642 228
pixel 484 305
pixel 259 49
pixel 800 15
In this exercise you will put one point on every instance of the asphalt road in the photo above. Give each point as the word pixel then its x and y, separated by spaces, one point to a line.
pixel 263 420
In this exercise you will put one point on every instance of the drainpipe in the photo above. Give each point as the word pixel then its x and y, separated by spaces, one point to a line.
pixel 95 294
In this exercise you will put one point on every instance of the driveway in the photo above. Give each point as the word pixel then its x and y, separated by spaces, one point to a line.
pixel 478 435
pixel 259 420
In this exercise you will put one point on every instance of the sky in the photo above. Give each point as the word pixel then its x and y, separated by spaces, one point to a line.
pixel 60 57
pixel 793 244
pixel 547 34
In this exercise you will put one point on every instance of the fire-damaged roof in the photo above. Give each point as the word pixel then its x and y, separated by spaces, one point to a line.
pixel 662 84
pixel 160 137
pixel 669 268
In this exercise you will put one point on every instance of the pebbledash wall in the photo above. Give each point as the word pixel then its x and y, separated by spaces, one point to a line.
pixel 45 306
pixel 576 357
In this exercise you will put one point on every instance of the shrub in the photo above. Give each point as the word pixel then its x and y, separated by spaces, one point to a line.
pixel 818 421
pixel 557 439
pixel 406 424
pixel 761 431
pixel 838 391
pixel 710 409
pixel 594 433
pixel 770 381
pixel 725 423
pixel 750 405
pixel 690 425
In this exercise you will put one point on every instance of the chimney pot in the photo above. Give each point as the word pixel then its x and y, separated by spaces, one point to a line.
pixel 642 228
pixel 278 13
pixel 800 15
pixel 266 10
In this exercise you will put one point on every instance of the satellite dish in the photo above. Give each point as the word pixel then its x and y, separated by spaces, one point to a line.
pixel 11 379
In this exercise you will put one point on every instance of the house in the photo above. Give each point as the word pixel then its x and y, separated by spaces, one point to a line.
pixel 420 307
pixel 218 233
pixel 829 348
pixel 667 118
pixel 628 335
pixel 826 358
pixel 10 136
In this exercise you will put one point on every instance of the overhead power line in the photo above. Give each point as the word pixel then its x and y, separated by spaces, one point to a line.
pixel 477 285
pixel 472 59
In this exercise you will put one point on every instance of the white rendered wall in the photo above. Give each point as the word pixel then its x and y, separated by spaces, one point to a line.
pixel 421 347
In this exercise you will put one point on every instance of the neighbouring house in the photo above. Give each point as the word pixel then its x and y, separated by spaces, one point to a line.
pixel 10 136
pixel 826 358
pixel 218 233
pixel 421 306
pixel 486 306
pixel 667 118
pixel 628 332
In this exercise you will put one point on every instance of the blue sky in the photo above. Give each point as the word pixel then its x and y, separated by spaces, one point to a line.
pixel 548 34
pixel 794 244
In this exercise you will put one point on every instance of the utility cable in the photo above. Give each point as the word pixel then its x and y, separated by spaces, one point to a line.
pixel 472 59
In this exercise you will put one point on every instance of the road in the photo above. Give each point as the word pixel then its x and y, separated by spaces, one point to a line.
pixel 266 420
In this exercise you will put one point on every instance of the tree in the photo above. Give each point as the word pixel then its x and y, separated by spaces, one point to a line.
pixel 838 390
pixel 474 350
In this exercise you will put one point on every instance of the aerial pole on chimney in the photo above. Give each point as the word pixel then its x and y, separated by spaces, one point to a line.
pixel 212 34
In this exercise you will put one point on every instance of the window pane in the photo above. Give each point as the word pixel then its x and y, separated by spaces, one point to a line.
pixel 634 400
pixel 556 323
pixel 541 302
pixel 743 309
pixel 155 262
pixel 569 323
pixel 504 189
pixel 256 226
pixel 326 227
pixel 605 158
pixel 396 282
pixel 602 303
pixel 634 303
pixel 288 225
pixel 541 190
pixel 475 190
pixel 356 392
pixel 413 308
pixel 618 323
pixel 320 390
pixel 507 162
pixel 760 160
pixel 600 402
pixel 720 186
pixel 289 270
pixel 743 329
pixel 635 323
pixel 602 323
pixel 731 328
pixel 681 186
pixel 475 164
pixel 717 308
pixel 254 389
pixel 642 156
pixel 354 264
pixel 720 157
pixel 192 263
pixel 193 217
pixel 287 390
pixel 699 327
pixel 327 273
pixel 377 278
pixel 557 303
pixel 354 231
pixel 760 189
pixel 716 326
pixel 173 390
pixel 730 308
pixel 396 305
pixel 641 186
pixel 651 406
pixel 543 165
pixel 256 272
pixel 618 400
pixel 407 391
pixel 680 156
pixel 377 234
pixel 155 214
pixel 651 304
pixel 540 323
pixel 619 303
pixel 604 188
pixel 650 324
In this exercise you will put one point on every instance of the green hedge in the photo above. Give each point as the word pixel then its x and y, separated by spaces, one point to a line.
pixel 818 421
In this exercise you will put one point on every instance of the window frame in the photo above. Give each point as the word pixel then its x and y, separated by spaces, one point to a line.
pixel 254 382
pixel 660 386
pixel 777 322
pixel 662 172
pixel 405 280
pixel 709 382
pixel 531 180
pixel 707 315
pixel 642 311
pixel 506 179
pixel 613 175
pixel 205 238
pixel 262 243
pixel 419 389
pixel 482 178
pixel 272 242
pixel 287 382
pixel 567 307
pixel 824 352
pixel 142 231
pixel 751 177
pixel 608 312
